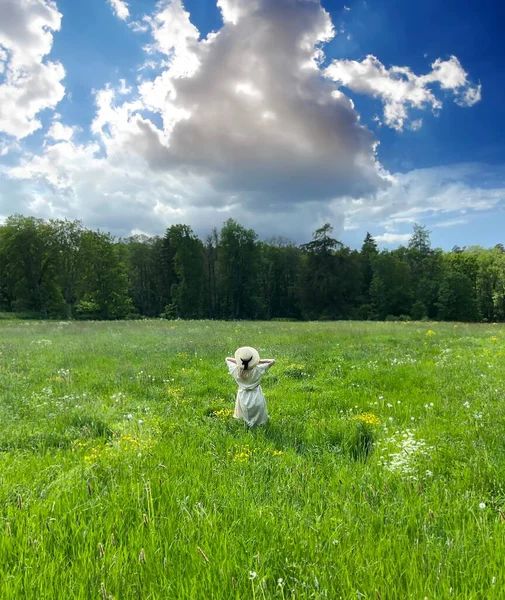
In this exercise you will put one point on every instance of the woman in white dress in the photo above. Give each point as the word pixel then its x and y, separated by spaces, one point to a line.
pixel 247 369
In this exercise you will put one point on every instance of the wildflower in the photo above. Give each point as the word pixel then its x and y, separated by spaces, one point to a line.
pixel 430 332
pixel 408 451
pixel 252 575
pixel 223 413
pixel 466 404
pixel 367 418
pixel 280 582
pixel 494 339
pixel 482 505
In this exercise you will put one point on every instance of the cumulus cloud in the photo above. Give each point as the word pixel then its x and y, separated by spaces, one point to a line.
pixel 29 83
pixel 238 124
pixel 58 131
pixel 120 9
pixel 400 89
pixel 248 106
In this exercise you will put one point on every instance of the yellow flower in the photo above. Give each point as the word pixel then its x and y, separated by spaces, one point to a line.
pixel 223 413
pixel 430 332
pixel 494 339
pixel 368 418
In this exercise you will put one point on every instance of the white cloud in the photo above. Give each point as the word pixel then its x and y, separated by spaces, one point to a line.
pixel 30 84
pixel 240 124
pixel 435 193
pixel 120 9
pixel 416 125
pixel 400 89
pixel 58 131
pixel 393 239
pixel 449 223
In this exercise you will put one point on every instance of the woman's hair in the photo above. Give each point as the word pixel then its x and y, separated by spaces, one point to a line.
pixel 243 369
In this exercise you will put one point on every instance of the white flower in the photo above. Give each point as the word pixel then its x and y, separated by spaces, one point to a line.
pixel 252 575
pixel 482 505
pixel 391 419
pixel 466 404
pixel 389 405
pixel 280 582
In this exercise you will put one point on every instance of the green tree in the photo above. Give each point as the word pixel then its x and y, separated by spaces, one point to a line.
pixel 279 267
pixel 320 280
pixel 28 251
pixel 368 253
pixel 238 264
pixel 70 261
pixel 188 267
pixel 391 288
pixel 106 284
pixel 456 301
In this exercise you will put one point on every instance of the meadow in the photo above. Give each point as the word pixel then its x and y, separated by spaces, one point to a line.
pixel 124 476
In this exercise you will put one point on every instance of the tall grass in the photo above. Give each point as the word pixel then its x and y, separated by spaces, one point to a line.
pixel 123 475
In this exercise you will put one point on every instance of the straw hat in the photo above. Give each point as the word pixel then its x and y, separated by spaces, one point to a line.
pixel 247 358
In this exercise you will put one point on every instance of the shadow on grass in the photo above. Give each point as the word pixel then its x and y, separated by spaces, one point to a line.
pixel 345 438
pixel 61 436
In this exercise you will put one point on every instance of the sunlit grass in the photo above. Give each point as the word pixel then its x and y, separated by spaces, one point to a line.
pixel 123 474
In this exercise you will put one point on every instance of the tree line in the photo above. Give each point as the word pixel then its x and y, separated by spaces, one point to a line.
pixel 60 269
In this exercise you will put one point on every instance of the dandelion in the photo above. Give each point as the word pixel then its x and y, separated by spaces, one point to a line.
pixel 430 332
pixel 367 418
pixel 494 339
pixel 222 413
pixel 482 505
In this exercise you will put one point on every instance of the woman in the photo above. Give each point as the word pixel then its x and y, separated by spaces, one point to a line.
pixel 247 369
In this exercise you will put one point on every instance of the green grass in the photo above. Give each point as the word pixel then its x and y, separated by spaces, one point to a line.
pixel 117 480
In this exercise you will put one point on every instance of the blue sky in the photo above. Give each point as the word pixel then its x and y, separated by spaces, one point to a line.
pixel 391 148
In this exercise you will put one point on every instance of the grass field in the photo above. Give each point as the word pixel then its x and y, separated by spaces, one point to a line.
pixel 380 476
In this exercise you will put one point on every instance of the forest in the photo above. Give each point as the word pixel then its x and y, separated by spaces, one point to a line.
pixel 59 269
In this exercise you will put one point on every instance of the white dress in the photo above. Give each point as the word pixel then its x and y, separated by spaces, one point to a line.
pixel 250 405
